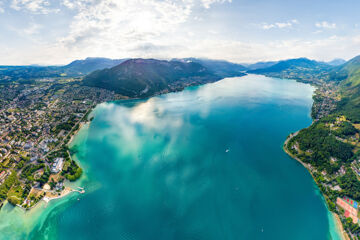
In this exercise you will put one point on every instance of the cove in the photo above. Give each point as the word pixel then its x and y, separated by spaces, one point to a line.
pixel 205 163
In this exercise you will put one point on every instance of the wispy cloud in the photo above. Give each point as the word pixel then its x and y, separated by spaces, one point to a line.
pixel 208 3
pixel 28 31
pixel 325 24
pixel 280 25
pixel 33 6
pixel 2 10
pixel 32 29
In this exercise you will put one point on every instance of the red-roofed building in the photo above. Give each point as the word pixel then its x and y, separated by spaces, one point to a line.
pixel 350 211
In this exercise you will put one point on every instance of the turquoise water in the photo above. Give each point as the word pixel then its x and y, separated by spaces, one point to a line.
pixel 204 163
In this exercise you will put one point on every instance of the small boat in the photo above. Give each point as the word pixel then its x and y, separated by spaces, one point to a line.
pixel 227 150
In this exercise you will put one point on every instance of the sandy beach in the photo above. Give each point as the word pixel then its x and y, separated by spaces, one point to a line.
pixel 340 227
pixel 49 196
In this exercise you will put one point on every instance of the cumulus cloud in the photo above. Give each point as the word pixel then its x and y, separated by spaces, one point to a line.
pixel 326 48
pixel 105 27
pixel 279 25
pixel 322 48
pixel 154 28
pixel 325 24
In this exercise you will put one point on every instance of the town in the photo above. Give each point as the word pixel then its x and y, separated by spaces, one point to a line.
pixel 37 121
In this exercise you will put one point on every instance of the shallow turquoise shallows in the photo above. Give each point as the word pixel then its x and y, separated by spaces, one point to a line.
pixel 204 164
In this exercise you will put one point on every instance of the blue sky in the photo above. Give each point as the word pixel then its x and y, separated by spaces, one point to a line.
pixel 57 32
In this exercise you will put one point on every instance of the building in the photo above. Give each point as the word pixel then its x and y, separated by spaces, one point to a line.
pixel 350 207
pixel 57 165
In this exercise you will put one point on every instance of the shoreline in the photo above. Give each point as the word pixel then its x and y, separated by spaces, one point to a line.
pixel 64 193
pixel 340 228
pixel 83 122
pixel 67 191
pixel 338 223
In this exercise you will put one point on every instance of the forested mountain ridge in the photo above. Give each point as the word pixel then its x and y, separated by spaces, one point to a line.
pixel 146 77
pixel 348 76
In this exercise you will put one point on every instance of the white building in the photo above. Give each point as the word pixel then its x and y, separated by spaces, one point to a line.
pixel 57 165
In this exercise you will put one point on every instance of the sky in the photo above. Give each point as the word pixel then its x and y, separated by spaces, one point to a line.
pixel 53 32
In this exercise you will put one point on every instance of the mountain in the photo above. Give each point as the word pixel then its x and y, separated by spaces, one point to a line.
pixel 336 62
pixel 348 73
pixel 146 77
pixel 297 63
pixel 74 69
pixel 26 74
pixel 221 68
pixel 348 76
pixel 301 69
pixel 260 65
pixel 89 65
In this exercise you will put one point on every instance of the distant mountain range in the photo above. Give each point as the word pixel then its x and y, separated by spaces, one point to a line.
pixel 336 62
pixel 299 63
pixel 83 67
pixel 89 65
pixel 219 67
pixel 300 68
pixel 74 69
pixel 146 77
pixel 260 65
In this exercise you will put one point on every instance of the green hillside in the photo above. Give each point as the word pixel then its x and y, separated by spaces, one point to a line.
pixel 146 77
pixel 349 77
pixel 301 69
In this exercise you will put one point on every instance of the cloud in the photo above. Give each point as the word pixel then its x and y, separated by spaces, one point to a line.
pixel 322 48
pixel 120 26
pixel 208 3
pixel 32 29
pixel 154 29
pixel 33 6
pixel 28 32
pixel 325 24
pixel 279 25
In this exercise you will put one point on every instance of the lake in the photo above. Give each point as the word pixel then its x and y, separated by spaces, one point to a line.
pixel 206 163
